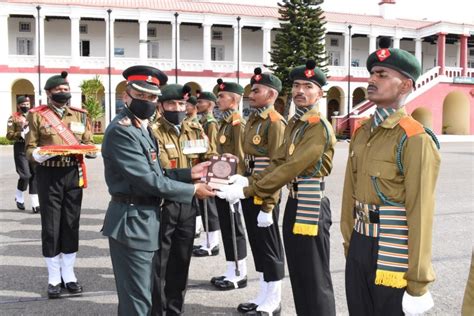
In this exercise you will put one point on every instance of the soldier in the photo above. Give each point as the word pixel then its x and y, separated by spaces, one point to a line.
pixel 138 185
pixel 206 101
pixel 229 140
pixel 388 197
pixel 17 128
pixel 181 143
pixel 303 161
pixel 60 180
pixel 191 109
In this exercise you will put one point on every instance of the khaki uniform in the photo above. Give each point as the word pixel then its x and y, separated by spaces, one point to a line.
pixel 16 123
pixel 211 128
pixel 230 136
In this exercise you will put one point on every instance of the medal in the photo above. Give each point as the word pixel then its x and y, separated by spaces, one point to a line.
pixel 256 139
pixel 291 149
pixel 222 139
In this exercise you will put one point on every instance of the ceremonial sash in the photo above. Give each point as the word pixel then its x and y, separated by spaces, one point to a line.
pixel 309 196
pixel 68 136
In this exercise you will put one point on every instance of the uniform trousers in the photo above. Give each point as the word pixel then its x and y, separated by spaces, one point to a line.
pixel 60 197
pixel 224 212
pixel 364 297
pixel 212 217
pixel 24 168
pixel 133 278
pixel 308 263
pixel 265 242
pixel 177 227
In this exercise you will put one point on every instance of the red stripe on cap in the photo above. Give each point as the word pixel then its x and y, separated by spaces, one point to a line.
pixel 144 78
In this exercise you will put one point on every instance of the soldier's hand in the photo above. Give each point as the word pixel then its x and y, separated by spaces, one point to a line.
pixel 199 171
pixel 232 193
pixel 203 191
pixel 417 305
pixel 40 158
pixel 264 219
pixel 240 180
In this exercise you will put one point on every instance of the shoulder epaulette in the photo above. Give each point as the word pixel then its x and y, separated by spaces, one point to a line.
pixel 362 123
pixel 313 119
pixel 78 109
pixel 39 108
pixel 275 116
pixel 16 114
pixel 235 119
pixel 411 126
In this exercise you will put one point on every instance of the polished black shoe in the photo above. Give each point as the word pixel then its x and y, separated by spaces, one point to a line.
pixel 196 247
pixel 74 287
pixel 201 252
pixel 217 278
pixel 54 291
pixel 246 307
pixel 276 312
pixel 36 210
pixel 226 285
pixel 20 206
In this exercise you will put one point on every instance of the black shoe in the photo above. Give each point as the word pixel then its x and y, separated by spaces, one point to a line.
pixel 217 278
pixel 226 285
pixel 246 307
pixel 201 252
pixel 36 210
pixel 74 287
pixel 54 291
pixel 276 312
pixel 20 206
pixel 196 247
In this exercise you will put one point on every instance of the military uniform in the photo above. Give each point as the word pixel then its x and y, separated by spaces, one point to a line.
pixel 468 300
pixel 17 128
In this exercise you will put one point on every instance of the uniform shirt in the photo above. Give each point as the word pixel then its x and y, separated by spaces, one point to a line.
pixel 374 154
pixel 43 134
pixel 269 125
pixel 309 147
pixel 16 124
pixel 211 128
pixel 230 135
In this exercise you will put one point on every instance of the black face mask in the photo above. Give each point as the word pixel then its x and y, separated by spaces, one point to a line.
pixel 174 117
pixel 61 97
pixel 141 108
pixel 24 109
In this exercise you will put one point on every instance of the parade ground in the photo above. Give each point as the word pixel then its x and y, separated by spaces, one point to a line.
pixel 23 273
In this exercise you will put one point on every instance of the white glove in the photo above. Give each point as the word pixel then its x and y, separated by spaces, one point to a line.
pixel 264 219
pixel 232 193
pixel 417 305
pixel 24 132
pixel 240 180
pixel 39 158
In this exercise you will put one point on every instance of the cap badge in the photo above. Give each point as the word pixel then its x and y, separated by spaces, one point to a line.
pixel 309 73
pixel 221 86
pixel 257 77
pixel 383 54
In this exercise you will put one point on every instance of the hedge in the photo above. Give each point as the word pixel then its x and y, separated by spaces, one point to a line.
pixel 96 138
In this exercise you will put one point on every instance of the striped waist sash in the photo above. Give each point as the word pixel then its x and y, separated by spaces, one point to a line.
pixel 392 234
pixel 309 196
pixel 256 164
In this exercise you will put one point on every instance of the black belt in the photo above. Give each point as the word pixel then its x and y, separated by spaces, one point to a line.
pixel 138 200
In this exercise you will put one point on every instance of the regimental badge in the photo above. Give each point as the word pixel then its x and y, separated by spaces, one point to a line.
pixel 221 86
pixel 291 150
pixel 383 54
pixel 257 77
pixel 256 139
pixel 309 73
pixel 222 139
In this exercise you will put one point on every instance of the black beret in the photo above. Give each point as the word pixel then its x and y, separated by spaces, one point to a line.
pixel 145 78
pixel 266 79
pixel 192 99
pixel 22 98
pixel 309 72
pixel 229 87
pixel 175 92
pixel 56 80
pixel 396 59
pixel 204 95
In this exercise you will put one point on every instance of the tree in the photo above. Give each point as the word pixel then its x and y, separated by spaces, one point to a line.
pixel 301 36
pixel 91 89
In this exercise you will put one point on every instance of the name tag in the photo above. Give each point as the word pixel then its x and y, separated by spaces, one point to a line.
pixel 77 127
pixel 170 146
pixel 153 155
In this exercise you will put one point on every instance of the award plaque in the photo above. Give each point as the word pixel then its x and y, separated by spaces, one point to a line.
pixel 220 170
pixel 64 150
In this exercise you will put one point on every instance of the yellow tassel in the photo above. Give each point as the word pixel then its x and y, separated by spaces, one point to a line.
pixel 390 278
pixel 81 182
pixel 305 229
pixel 257 200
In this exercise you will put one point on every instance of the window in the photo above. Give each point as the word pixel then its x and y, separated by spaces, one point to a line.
pixel 153 50
pixel 334 42
pixel 334 58
pixel 471 52
pixel 355 63
pixel 25 27
pixel 24 46
pixel 217 35
pixel 151 32
pixel 84 48
pixel 217 53
pixel 83 29
pixel 119 51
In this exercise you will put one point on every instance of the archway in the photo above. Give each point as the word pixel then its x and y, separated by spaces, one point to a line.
pixel 424 116
pixel 456 114
pixel 119 90
pixel 22 87
pixel 194 87
pixel 94 89
pixel 359 95
pixel 334 99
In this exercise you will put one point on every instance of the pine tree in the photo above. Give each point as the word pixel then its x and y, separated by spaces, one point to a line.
pixel 301 36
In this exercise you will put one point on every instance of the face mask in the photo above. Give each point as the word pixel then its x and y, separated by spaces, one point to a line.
pixel 24 109
pixel 141 108
pixel 174 117
pixel 61 97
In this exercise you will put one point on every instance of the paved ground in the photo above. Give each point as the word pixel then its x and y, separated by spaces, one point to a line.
pixel 23 274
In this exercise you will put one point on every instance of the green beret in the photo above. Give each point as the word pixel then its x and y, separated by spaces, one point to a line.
pixel 266 79
pixel 175 92
pixel 192 99
pixel 56 80
pixel 145 78
pixel 309 72
pixel 204 95
pixel 396 59
pixel 229 87
pixel 21 99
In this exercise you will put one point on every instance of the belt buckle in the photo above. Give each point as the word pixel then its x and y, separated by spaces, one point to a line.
pixel 363 215
pixel 66 159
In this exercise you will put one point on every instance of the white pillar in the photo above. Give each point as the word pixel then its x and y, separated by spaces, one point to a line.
pixel 175 38
pixel 372 43
pixel 76 96
pixel 109 51
pixel 39 34
pixel 143 43
pixel 4 39
pixel 346 49
pixel 418 49
pixel 75 40
pixel 237 39
pixel 396 42
pixel 206 45
pixel 267 45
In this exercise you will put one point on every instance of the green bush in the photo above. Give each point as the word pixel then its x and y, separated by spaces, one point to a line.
pixel 5 141
pixel 98 138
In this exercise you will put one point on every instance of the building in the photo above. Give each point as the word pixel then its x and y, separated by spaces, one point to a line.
pixel 198 41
